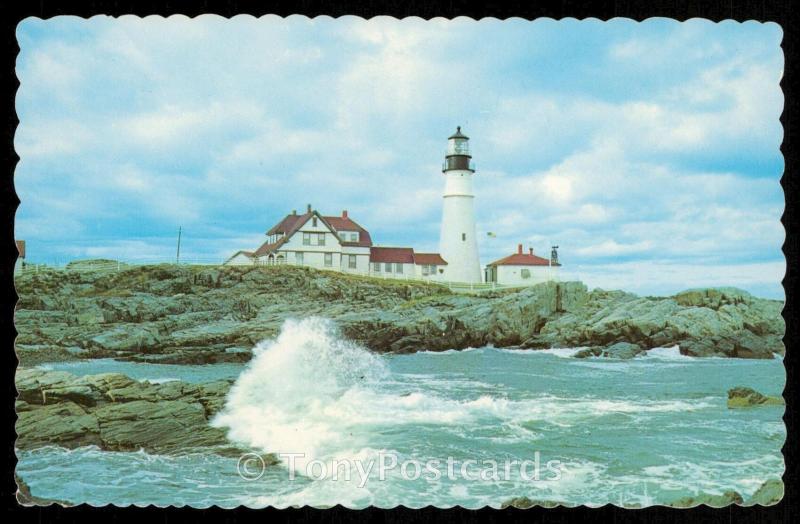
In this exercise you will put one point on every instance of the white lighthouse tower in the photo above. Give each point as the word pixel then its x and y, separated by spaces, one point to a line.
pixel 458 244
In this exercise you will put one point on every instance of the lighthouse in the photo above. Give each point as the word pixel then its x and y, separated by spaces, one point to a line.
pixel 458 243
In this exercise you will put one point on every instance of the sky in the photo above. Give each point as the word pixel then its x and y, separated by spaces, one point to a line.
pixel 648 151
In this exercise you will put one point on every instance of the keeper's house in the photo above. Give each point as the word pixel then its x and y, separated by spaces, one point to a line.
pixel 523 269
pixel 337 243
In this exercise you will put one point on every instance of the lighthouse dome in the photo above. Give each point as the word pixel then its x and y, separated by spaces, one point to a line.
pixel 458 143
pixel 458 134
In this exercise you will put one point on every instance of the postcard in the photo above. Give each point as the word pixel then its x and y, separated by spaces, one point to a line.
pixel 279 262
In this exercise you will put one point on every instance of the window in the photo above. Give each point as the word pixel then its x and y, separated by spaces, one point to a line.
pixel 328 259
pixel 426 269
pixel 525 273
pixel 298 258
pixel 314 222
pixel 376 267
pixel 463 237
pixel 353 237
pixel 320 239
pixel 387 267
pixel 351 261
pixel 398 268
pixel 306 239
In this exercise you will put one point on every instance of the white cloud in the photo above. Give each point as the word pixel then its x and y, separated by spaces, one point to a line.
pixel 669 278
pixel 611 248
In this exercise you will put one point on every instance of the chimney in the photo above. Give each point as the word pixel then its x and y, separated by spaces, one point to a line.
pixel 294 212
pixel 344 213
pixel 530 250
pixel 519 249
pixel 309 208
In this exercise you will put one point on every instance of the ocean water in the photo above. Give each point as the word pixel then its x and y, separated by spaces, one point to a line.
pixel 632 433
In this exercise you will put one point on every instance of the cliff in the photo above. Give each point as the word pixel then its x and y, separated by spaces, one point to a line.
pixel 185 314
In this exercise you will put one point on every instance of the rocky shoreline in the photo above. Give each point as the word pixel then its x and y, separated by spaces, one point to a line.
pixel 769 493
pixel 195 315
pixel 116 413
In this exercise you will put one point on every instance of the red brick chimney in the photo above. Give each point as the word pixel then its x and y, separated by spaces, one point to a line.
pixel 344 213
pixel 519 249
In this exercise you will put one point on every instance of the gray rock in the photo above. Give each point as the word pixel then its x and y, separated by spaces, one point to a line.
pixel 713 501
pixel 619 350
pixel 163 426
pixel 116 412
pixel 185 314
pixel 623 350
pixel 742 397
pixel 65 424
pixel 525 503
pixel 83 395
pixel 768 494
pixel 131 337
pixel 26 498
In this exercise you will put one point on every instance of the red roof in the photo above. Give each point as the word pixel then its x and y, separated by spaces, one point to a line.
pixel 21 248
pixel 429 258
pixel 402 255
pixel 343 223
pixel 522 259
pixel 289 223
pixel 267 248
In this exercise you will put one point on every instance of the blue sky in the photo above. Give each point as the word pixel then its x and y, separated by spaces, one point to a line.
pixel 648 151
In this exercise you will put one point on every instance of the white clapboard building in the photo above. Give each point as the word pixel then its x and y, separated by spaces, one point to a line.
pixel 337 243
pixel 523 269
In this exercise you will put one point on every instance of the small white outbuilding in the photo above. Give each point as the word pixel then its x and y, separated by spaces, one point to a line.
pixel 523 269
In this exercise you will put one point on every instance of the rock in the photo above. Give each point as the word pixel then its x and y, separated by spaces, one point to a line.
pixel 742 397
pixel 115 412
pixel 768 494
pixel 620 350
pixel 623 350
pixel 106 381
pixel 588 352
pixel 525 503
pixel 184 314
pixel 713 501
pixel 32 383
pixel 134 391
pixel 25 498
pixel 131 337
pixel 713 298
pixel 35 354
pixel 65 424
pixel 83 395
pixel 163 426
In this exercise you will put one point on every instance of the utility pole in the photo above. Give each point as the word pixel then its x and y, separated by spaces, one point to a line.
pixel 178 255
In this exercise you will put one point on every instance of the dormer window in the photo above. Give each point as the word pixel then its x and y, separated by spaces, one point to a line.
pixel 349 236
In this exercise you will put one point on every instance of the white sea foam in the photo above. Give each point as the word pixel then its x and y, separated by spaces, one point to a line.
pixel 453 351
pixel 559 352
pixel 159 380
pixel 309 391
pixel 667 353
